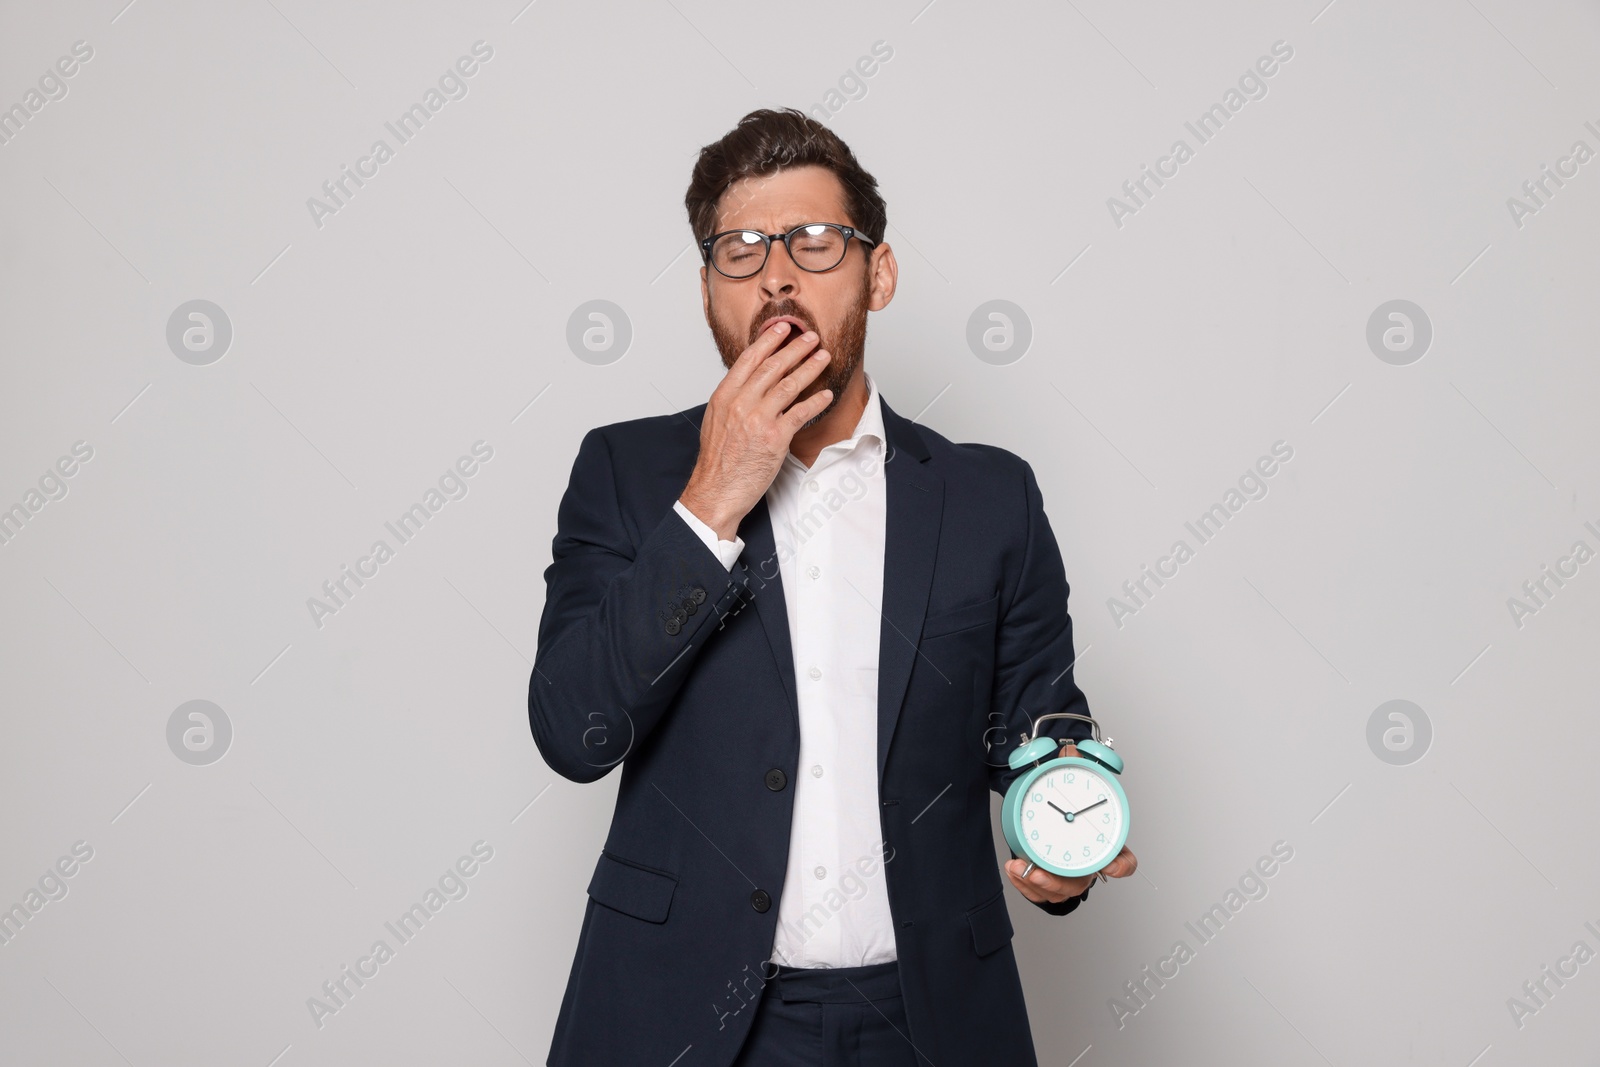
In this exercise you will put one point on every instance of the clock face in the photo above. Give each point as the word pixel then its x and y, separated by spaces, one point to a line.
pixel 1072 817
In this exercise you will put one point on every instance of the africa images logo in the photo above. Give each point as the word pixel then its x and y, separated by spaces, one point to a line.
pixel 1252 86
pixel 1252 486
pixel 410 122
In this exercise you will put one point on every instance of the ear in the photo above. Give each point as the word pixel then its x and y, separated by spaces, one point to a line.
pixel 883 275
pixel 705 295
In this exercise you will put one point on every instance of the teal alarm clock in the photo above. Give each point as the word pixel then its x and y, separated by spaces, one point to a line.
pixel 1069 814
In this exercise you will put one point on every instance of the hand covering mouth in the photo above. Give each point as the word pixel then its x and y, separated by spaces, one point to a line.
pixel 796 327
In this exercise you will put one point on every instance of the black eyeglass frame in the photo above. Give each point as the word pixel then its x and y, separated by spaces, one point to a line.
pixel 850 232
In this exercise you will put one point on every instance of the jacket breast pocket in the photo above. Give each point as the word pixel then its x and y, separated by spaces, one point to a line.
pixel 963 618
pixel 991 925
pixel 631 888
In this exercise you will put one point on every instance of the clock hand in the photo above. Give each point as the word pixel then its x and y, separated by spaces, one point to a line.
pixel 1080 811
pixel 1068 814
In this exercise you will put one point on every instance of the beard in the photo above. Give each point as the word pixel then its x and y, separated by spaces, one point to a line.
pixel 845 348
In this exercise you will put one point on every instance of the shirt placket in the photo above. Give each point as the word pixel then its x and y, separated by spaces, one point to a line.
pixel 823 694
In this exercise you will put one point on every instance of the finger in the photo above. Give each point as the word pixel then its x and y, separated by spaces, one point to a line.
pixel 1123 866
pixel 1023 886
pixel 783 393
pixel 772 369
pixel 755 355
pixel 1042 885
pixel 1072 887
pixel 807 409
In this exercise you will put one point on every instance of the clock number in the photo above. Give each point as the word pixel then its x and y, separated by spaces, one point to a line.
pixel 1071 778
pixel 1038 798
pixel 1033 835
pixel 1031 813
pixel 1106 817
pixel 1085 850
pixel 1101 838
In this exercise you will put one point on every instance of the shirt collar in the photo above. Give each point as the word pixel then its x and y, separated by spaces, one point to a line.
pixel 869 427
pixel 871 421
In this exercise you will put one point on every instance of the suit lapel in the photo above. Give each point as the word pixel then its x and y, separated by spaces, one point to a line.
pixel 911 541
pixel 913 507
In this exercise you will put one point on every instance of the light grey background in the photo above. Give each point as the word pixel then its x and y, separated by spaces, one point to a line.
pixel 431 312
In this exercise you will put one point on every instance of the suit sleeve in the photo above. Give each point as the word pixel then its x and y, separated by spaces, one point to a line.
pixel 621 624
pixel 1034 656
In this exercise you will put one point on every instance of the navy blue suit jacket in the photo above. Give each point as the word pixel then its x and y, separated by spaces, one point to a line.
pixel 654 658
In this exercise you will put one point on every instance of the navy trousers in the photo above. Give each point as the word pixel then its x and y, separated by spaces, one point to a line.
pixel 831 1017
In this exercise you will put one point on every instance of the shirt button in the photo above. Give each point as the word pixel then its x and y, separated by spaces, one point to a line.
pixel 812 485
pixel 760 901
pixel 822 872
pixel 815 672
pixel 816 771
pixel 814 571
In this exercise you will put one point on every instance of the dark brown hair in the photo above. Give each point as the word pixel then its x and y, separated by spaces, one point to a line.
pixel 767 141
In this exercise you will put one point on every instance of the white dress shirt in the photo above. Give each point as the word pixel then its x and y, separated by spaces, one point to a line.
pixel 828 530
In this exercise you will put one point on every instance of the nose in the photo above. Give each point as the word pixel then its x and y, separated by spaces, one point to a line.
pixel 780 276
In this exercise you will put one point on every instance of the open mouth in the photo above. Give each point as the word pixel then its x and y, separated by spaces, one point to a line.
pixel 796 327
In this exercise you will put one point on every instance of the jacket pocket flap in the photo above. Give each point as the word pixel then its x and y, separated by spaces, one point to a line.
pixel 635 890
pixel 947 622
pixel 991 925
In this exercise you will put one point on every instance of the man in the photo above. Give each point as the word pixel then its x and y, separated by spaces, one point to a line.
pixel 800 867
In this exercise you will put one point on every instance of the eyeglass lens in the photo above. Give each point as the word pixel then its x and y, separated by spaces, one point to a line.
pixel 742 253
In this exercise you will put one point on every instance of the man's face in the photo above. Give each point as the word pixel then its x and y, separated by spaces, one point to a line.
pixel 834 303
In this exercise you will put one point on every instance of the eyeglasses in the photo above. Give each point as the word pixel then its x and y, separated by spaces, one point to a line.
pixel 814 246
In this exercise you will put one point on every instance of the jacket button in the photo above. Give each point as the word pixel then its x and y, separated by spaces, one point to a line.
pixel 760 901
pixel 776 779
pixel 699 595
pixel 690 605
pixel 673 626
